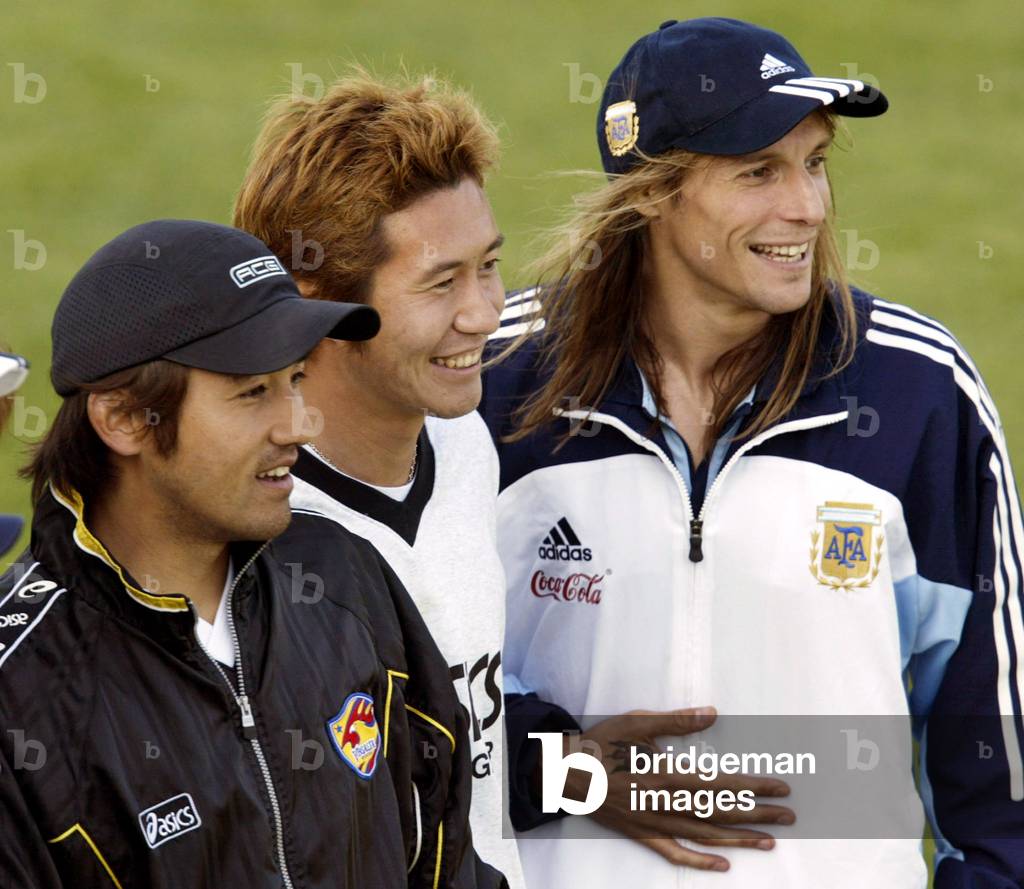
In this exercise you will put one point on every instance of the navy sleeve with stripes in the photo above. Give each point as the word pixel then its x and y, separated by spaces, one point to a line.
pixel 966 511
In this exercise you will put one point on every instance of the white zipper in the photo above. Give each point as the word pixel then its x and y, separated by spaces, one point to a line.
pixel 248 721
pixel 697 524
pixel 791 426
pixel 686 652
pixel 641 440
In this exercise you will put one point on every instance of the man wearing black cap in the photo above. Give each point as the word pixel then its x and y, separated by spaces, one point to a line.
pixel 793 500
pixel 180 707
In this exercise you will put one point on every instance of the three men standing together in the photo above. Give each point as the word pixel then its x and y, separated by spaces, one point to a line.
pixel 278 561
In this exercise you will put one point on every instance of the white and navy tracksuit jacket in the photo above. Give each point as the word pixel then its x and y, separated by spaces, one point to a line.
pixel 862 556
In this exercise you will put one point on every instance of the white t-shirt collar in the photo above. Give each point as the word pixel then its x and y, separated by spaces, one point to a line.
pixel 216 637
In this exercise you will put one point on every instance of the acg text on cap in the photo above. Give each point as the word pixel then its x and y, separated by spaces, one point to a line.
pixel 201 294
pixel 715 86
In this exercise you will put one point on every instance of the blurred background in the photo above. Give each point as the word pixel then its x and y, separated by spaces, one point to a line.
pixel 114 112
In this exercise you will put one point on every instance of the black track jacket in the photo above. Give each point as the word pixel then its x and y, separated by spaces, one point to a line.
pixel 332 755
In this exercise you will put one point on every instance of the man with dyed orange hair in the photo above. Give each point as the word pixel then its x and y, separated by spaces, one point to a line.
pixel 374 193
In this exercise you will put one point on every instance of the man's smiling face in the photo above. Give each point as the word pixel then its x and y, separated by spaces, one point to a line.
pixel 227 477
pixel 439 295
pixel 743 230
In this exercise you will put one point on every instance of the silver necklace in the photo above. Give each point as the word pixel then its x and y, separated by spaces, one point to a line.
pixel 327 460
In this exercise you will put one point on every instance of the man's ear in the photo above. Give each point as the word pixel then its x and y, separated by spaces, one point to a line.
pixel 655 204
pixel 649 206
pixel 121 431
pixel 306 287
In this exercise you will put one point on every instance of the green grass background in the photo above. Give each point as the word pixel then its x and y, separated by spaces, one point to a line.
pixel 927 182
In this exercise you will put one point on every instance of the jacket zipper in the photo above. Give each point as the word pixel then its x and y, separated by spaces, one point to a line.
pixel 248 721
pixel 697 524
pixel 648 445
pixel 792 426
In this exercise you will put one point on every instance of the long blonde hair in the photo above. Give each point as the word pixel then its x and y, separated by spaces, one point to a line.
pixel 594 311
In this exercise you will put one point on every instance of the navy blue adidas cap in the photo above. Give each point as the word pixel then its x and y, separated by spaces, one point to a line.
pixel 201 294
pixel 715 86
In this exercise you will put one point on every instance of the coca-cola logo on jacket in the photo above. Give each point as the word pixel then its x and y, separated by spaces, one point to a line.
pixel 576 587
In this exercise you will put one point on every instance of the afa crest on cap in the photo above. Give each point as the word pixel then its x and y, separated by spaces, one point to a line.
pixel 355 734
pixel 621 127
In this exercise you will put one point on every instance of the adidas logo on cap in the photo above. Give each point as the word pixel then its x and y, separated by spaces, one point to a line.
pixel 771 66
pixel 562 544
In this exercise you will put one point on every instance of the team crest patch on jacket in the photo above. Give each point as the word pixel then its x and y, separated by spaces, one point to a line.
pixel 355 734
pixel 846 550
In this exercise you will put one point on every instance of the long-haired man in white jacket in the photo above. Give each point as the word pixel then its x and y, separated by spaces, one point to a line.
pixel 730 479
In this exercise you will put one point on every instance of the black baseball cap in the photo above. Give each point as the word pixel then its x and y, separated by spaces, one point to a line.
pixel 201 294
pixel 715 86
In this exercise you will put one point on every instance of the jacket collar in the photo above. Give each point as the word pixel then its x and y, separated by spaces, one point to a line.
pixel 821 393
pixel 66 547
pixel 401 516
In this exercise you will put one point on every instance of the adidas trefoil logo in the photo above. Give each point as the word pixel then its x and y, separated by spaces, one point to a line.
pixel 771 66
pixel 562 544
